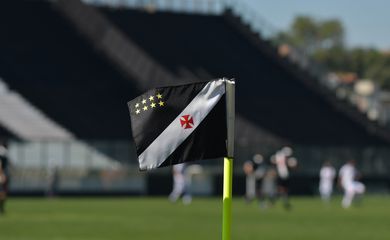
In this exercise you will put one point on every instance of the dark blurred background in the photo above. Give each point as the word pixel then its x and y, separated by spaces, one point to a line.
pixel 68 68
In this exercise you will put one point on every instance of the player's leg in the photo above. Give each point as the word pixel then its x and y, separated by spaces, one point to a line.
pixel 283 191
pixel 349 193
pixel 250 192
pixel 178 187
pixel 359 189
pixel 187 196
pixel 327 192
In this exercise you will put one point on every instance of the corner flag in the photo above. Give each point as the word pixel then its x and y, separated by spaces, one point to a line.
pixel 171 125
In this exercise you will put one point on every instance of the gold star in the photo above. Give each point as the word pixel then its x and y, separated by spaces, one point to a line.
pixel 145 108
pixel 161 103
pixel 144 101
pixel 137 111
pixel 153 105
pixel 159 96
pixel 151 98
pixel 137 105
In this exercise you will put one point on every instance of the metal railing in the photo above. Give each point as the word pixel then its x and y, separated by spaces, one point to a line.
pixel 189 6
pixel 112 165
pixel 114 155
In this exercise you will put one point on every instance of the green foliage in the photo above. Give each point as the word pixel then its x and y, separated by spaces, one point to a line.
pixel 311 35
pixel 327 57
pixel 157 218
pixel 324 42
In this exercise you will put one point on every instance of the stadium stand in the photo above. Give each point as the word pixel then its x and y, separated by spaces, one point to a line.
pixel 47 62
pixel 63 59
pixel 25 121
pixel 272 92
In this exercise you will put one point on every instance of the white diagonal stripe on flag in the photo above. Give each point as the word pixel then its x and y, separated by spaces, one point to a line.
pixel 166 143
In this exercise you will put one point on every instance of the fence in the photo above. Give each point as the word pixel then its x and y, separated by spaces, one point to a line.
pixel 111 167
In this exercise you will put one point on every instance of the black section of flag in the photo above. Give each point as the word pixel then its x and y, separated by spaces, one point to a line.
pixel 206 142
pixel 148 125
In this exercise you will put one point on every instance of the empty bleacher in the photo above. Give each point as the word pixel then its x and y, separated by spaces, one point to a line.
pixel 25 121
pixel 45 59
pixel 271 91
pixel 51 64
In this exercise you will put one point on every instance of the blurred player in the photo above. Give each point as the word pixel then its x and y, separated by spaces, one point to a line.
pixel 190 172
pixel 3 177
pixel 52 177
pixel 250 181
pixel 179 184
pixel 254 171
pixel 351 187
pixel 283 162
pixel 268 188
pixel 327 175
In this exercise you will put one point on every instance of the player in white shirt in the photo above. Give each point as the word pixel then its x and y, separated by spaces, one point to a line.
pixel 327 175
pixel 351 187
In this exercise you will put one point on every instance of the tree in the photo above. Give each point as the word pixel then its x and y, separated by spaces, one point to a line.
pixel 323 41
pixel 331 34
pixel 311 35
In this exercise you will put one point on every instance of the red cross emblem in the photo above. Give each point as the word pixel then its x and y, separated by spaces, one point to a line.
pixel 186 121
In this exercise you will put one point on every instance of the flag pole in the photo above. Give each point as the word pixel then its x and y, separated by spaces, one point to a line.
pixel 228 161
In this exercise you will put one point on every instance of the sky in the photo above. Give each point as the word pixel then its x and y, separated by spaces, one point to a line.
pixel 366 22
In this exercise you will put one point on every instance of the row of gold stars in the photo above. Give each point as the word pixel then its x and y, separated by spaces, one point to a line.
pixel 151 99
pixel 145 106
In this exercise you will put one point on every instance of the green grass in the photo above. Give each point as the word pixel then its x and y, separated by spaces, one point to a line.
pixel 156 218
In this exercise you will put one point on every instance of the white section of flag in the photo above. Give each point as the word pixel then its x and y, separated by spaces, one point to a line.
pixel 166 143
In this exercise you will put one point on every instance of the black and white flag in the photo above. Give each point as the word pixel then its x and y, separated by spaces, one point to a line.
pixel 177 124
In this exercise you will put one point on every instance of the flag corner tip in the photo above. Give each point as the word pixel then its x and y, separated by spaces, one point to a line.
pixel 230 81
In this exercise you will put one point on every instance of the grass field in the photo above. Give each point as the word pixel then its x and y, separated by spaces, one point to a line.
pixel 156 218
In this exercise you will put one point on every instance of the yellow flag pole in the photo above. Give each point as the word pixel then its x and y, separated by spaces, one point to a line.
pixel 227 198
pixel 228 161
